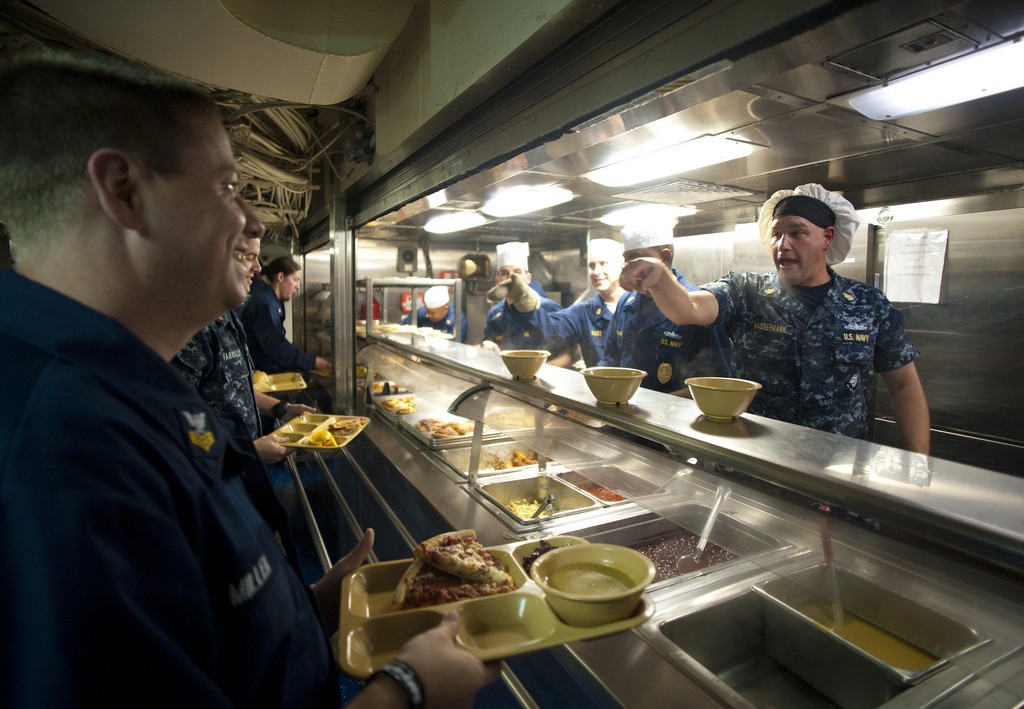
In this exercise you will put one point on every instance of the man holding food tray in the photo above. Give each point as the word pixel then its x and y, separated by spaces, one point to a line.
pixel 216 362
pixel 134 569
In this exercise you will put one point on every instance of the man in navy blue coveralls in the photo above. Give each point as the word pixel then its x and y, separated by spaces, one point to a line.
pixel 586 324
pixel 134 570
pixel 438 314
pixel 501 331
pixel 642 337
pixel 812 338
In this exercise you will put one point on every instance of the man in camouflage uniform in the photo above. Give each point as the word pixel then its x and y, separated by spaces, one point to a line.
pixel 812 338
pixel 216 362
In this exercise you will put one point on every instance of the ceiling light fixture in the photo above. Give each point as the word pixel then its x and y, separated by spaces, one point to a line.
pixel 673 160
pixel 646 214
pixel 454 221
pixel 972 76
pixel 523 199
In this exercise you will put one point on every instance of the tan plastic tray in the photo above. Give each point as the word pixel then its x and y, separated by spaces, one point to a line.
pixel 300 428
pixel 493 628
pixel 285 381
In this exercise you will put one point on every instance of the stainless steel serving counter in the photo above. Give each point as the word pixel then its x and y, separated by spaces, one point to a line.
pixel 944 538
pixel 972 510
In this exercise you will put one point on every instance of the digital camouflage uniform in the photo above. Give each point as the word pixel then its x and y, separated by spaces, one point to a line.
pixel 642 338
pixel 216 362
pixel 816 366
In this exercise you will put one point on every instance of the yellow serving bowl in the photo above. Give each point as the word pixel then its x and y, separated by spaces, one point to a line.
pixel 593 584
pixel 613 385
pixel 524 364
pixel 722 398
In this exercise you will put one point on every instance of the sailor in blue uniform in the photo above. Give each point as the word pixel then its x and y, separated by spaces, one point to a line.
pixel 501 330
pixel 587 323
pixel 437 313
pixel 134 570
pixel 642 337
pixel 812 338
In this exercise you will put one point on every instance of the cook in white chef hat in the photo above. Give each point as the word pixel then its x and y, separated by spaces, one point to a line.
pixel 514 253
pixel 818 206
pixel 651 234
pixel 607 250
pixel 435 296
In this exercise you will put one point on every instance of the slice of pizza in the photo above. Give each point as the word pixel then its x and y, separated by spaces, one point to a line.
pixel 422 585
pixel 462 555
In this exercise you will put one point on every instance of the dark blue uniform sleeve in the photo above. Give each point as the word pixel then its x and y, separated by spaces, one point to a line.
pixel 566 324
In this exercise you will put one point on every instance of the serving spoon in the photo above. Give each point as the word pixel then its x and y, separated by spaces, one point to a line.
pixel 691 562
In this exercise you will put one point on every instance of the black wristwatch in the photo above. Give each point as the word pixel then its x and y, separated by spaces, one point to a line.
pixel 279 410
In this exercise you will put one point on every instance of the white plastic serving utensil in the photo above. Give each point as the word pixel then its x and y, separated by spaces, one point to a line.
pixel 691 562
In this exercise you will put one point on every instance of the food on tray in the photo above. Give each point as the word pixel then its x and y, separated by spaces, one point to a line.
pixel 589 486
pixel 440 428
pixel 450 567
pixel 512 419
pixel 526 508
pixel 345 426
pixel 399 405
pixel 515 459
pixel 260 378
pixel 666 549
pixel 322 438
pixel 461 554
pixel 543 547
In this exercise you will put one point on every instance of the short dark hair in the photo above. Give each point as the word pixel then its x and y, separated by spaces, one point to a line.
pixel 58 107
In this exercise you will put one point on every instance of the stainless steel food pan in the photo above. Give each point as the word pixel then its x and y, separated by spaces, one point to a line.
pixel 567 499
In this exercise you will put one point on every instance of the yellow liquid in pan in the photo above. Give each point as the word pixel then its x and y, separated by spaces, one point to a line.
pixel 873 640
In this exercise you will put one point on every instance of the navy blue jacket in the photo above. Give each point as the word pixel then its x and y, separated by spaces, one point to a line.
pixel 133 567
pixel 263 319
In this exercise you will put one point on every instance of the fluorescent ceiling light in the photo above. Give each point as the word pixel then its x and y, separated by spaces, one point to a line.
pixel 454 221
pixel 675 159
pixel 646 214
pixel 982 73
pixel 524 199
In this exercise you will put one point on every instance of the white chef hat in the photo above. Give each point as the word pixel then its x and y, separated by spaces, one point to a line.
pixel 514 253
pixel 845 218
pixel 435 296
pixel 641 237
pixel 607 250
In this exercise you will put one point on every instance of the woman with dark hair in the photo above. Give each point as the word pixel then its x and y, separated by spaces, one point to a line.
pixel 263 320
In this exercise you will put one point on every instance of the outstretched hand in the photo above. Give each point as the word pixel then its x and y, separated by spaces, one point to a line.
pixel 640 274
pixel 518 292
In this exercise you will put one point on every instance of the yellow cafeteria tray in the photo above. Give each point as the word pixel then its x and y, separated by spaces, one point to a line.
pixel 303 431
pixel 285 381
pixel 492 628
